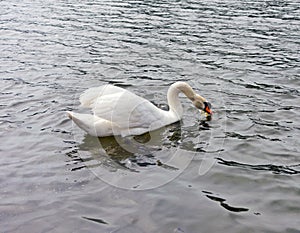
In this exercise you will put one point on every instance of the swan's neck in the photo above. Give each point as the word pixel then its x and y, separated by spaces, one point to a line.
pixel 173 97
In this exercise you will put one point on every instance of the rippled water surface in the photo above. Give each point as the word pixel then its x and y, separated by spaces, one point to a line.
pixel 236 173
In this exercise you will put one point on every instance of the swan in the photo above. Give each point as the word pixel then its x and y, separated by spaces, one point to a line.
pixel 117 111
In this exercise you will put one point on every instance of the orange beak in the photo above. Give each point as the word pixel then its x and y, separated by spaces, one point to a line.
pixel 208 110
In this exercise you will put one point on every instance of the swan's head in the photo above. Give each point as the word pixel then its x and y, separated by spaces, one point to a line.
pixel 201 103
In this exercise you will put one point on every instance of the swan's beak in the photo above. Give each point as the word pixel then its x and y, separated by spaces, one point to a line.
pixel 207 108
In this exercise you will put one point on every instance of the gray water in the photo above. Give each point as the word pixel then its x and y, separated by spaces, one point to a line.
pixel 238 172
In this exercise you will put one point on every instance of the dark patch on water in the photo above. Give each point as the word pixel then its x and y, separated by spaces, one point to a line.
pixel 223 203
pixel 97 220
pixel 276 169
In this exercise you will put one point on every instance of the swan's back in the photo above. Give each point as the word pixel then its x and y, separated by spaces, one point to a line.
pixel 89 96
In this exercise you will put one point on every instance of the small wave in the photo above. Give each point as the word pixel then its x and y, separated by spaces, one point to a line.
pixel 276 169
pixel 257 136
pixel 223 203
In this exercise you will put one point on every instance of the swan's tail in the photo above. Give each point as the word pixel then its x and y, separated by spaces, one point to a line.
pixel 91 124
pixel 84 121
pixel 69 114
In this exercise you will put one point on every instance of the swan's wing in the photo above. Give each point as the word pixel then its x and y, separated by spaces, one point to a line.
pixel 88 97
pixel 122 107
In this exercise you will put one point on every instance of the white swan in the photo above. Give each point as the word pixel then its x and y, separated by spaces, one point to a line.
pixel 120 112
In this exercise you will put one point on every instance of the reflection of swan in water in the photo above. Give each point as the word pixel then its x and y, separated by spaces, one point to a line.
pixel 117 111
pixel 133 153
pixel 136 162
pixel 117 152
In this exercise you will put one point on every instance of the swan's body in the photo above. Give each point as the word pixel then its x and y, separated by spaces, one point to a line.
pixel 120 112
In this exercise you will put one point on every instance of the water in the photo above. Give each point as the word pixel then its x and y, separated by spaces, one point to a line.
pixel 236 173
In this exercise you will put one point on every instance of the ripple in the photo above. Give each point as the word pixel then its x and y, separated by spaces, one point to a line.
pixel 223 203
pixel 97 220
pixel 276 169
